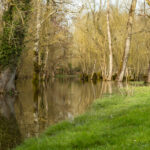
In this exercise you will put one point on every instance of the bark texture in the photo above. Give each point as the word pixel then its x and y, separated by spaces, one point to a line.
pixel 37 40
pixel 109 43
pixel 127 42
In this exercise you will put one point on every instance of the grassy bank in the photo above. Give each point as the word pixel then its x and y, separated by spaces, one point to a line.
pixel 117 122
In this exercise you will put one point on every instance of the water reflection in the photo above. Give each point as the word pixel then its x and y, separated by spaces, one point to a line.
pixel 10 135
pixel 37 108
pixel 58 100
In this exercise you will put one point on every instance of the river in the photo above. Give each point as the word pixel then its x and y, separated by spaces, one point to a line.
pixel 32 111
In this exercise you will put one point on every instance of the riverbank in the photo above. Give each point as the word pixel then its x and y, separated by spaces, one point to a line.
pixel 114 122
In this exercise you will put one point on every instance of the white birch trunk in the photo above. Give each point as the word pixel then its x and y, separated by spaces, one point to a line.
pixel 127 42
pixel 45 64
pixel 110 43
pixel 93 70
pixel 37 39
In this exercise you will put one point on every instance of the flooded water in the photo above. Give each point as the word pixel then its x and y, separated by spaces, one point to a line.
pixel 32 111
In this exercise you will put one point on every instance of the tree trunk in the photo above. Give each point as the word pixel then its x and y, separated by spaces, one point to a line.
pixel 110 43
pixel 148 78
pixel 92 75
pixel 15 43
pixel 127 42
pixel 36 45
pixel 46 53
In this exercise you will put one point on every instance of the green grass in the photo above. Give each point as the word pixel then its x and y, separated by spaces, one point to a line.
pixel 113 123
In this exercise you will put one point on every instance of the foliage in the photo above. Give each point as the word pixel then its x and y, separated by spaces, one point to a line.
pixel 54 41
pixel 82 44
pixel 91 43
pixel 148 2
pixel 14 18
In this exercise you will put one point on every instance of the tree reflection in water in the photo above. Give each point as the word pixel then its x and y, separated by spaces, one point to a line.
pixel 9 131
pixel 58 100
pixel 36 108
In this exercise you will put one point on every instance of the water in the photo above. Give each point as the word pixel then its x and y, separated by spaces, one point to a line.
pixel 33 110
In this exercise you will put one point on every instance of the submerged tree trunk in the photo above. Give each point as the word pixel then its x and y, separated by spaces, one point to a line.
pixel 110 43
pixel 148 77
pixel 128 42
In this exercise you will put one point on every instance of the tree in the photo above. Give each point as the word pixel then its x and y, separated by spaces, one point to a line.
pixel 148 2
pixel 14 19
pixel 110 43
pixel 127 42
pixel 37 41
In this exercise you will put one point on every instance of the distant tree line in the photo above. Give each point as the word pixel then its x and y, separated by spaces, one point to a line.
pixel 40 39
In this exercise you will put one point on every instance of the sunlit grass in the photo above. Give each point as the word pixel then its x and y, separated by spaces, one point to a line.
pixel 115 122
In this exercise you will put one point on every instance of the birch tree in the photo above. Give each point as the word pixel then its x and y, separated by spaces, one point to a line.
pixel 110 43
pixel 37 41
pixel 127 42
